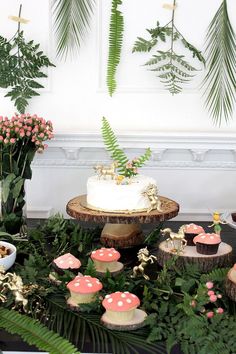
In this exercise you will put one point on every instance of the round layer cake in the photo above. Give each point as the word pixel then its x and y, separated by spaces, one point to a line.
pixel 107 195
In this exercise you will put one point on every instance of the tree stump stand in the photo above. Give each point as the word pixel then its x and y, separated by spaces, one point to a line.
pixel 205 263
pixel 135 323
pixel 230 284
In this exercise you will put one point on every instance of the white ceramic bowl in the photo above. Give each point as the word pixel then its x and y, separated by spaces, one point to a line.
pixel 8 261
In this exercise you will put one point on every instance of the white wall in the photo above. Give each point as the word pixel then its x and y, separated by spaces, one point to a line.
pixel 193 161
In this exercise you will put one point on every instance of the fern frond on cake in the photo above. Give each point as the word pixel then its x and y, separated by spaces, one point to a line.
pixel 126 167
pixel 34 333
pixel 172 68
pixel 115 44
pixel 220 81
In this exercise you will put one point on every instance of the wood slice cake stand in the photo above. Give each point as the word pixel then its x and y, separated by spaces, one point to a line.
pixel 223 258
pixel 230 284
pixel 135 323
pixel 122 230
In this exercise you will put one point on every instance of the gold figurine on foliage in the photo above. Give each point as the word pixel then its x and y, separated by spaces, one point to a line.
pixel 144 259
pixel 217 222
pixel 172 236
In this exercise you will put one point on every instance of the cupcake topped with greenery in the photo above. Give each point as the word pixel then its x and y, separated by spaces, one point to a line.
pixel 125 166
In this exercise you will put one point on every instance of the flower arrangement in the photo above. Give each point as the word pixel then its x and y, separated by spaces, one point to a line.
pixel 20 137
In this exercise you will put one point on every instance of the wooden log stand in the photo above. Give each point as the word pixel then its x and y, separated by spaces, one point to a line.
pixel 230 284
pixel 205 263
pixel 135 323
pixel 122 230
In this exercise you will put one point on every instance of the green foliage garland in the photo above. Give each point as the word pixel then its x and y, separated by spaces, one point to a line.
pixel 34 333
pixel 72 18
pixel 21 63
pixel 115 44
pixel 220 82
pixel 125 168
pixel 172 69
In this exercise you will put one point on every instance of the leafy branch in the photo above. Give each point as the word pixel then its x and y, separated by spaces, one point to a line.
pixel 125 167
pixel 220 82
pixel 172 69
pixel 20 64
pixel 115 43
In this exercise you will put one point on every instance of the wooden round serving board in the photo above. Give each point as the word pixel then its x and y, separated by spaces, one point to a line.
pixel 135 323
pixel 76 208
pixel 223 258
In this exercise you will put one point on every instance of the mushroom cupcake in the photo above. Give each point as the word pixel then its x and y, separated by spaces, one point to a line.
pixel 121 310
pixel 190 231
pixel 66 262
pixel 105 259
pixel 83 290
pixel 207 243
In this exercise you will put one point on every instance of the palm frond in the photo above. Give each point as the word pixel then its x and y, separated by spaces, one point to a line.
pixel 34 333
pixel 79 327
pixel 220 83
pixel 72 19
pixel 115 44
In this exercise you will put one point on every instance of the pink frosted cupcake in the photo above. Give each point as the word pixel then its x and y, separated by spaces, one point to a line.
pixel 105 259
pixel 207 243
pixel 83 290
pixel 190 231
pixel 66 262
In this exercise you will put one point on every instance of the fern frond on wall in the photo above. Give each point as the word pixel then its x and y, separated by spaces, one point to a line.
pixel 115 44
pixel 171 67
pixel 71 22
pixel 220 82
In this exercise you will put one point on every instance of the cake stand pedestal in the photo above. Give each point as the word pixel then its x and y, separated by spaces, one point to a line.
pixel 205 263
pixel 128 232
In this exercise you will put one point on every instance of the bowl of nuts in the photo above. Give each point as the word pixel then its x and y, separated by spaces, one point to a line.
pixel 7 254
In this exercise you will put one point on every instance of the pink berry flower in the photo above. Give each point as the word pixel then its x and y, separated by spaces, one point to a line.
pixel 210 314
pixel 210 292
pixel 209 285
pixel 220 310
pixel 213 298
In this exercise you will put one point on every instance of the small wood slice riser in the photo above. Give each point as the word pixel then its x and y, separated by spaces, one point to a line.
pixel 205 263
pixel 119 269
pixel 230 284
pixel 121 235
pixel 137 322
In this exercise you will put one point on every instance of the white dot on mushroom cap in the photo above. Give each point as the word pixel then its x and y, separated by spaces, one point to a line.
pixel 211 237
pixel 203 236
pixel 70 262
pixel 87 281
pixel 77 284
pixel 97 281
pixel 107 296
pixel 110 301
pixel 120 303
pixel 126 292
pixel 117 292
pixel 89 285
pixel 61 261
pixel 128 301
pixel 133 295
pixel 101 254
pixel 93 252
pixel 123 295
pixel 109 254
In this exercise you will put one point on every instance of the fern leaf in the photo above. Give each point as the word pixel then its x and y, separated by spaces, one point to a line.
pixel 34 333
pixel 115 44
pixel 142 45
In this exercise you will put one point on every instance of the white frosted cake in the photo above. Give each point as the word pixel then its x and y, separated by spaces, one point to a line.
pixel 107 195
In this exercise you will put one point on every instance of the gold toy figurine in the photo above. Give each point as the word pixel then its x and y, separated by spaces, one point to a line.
pixel 152 193
pixel 217 222
pixel 172 236
pixel 144 259
pixel 103 171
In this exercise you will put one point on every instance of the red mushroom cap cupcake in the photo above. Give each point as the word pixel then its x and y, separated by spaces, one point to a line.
pixel 207 243
pixel 190 231
pixel 67 261
pixel 84 285
pixel 120 306
pixel 105 255
pixel 83 290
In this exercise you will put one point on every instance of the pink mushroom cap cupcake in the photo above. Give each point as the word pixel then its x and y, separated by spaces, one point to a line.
pixel 106 259
pixel 120 306
pixel 207 243
pixel 190 231
pixel 83 289
pixel 66 262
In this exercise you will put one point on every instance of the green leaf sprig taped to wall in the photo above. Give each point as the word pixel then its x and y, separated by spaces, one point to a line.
pixel 21 64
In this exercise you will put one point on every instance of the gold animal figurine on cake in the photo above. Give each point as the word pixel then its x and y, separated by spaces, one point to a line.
pixel 103 171
pixel 152 194
pixel 144 259
pixel 172 236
